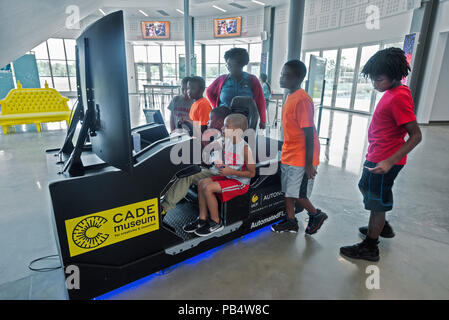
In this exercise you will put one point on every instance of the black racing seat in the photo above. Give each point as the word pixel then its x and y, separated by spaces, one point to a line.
pixel 246 106
pixel 260 180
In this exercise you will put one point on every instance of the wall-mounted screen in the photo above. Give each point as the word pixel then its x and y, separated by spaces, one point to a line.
pixel 228 27
pixel 156 29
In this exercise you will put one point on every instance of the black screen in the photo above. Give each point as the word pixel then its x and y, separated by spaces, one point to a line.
pixel 104 87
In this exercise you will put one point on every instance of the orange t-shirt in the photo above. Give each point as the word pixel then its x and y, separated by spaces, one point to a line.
pixel 297 114
pixel 200 110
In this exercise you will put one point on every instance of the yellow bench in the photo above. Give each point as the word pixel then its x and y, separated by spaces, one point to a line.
pixel 28 106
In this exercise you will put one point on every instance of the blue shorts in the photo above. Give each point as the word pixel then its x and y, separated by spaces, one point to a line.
pixel 377 188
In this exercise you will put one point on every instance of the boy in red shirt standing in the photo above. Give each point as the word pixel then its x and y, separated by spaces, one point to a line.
pixel 392 120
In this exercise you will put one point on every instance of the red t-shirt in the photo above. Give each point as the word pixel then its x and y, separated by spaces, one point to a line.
pixel 386 132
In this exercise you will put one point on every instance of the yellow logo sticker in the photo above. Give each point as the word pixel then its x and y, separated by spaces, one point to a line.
pixel 255 198
pixel 101 229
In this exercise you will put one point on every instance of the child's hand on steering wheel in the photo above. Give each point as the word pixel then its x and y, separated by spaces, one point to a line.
pixel 225 170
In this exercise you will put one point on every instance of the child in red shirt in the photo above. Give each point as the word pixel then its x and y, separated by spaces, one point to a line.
pixel 392 120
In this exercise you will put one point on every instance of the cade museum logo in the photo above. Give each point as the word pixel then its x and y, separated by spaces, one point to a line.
pixel 101 229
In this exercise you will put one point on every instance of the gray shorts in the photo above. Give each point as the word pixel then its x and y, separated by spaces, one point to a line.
pixel 295 183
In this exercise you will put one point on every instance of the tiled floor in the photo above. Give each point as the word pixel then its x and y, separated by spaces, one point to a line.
pixel 263 265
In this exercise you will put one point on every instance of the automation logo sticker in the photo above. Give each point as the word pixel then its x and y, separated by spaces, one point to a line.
pixel 255 198
pixel 97 230
pixel 265 199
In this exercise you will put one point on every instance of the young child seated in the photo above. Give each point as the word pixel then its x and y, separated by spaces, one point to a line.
pixel 235 174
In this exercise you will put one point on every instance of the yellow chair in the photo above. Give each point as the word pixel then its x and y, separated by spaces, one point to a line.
pixel 28 106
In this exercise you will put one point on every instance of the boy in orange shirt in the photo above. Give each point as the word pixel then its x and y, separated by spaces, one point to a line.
pixel 300 151
pixel 199 112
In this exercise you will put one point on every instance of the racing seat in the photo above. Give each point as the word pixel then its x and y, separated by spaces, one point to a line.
pixel 238 208
pixel 247 107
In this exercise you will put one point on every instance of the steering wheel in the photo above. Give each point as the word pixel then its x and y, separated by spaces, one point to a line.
pixel 186 125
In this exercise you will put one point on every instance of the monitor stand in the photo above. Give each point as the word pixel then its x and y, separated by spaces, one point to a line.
pixel 74 165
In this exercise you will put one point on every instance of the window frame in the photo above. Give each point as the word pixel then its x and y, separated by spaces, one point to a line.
pixel 382 44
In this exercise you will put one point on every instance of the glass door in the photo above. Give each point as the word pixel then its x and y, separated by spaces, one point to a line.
pixel 154 72
pixel 148 73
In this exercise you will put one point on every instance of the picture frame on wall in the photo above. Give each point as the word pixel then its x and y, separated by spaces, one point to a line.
pixel 155 29
pixel 228 27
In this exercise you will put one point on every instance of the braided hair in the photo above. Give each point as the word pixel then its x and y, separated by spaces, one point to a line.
pixel 390 62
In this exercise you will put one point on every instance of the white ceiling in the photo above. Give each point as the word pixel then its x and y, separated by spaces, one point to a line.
pixel 198 8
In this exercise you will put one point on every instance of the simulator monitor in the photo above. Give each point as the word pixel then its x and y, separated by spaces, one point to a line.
pixel 104 89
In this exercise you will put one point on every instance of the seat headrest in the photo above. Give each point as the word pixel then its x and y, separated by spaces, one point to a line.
pixel 246 106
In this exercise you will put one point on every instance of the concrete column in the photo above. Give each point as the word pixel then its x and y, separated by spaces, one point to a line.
pixel 187 36
pixel 423 22
pixel 267 43
pixel 295 26
pixel 192 45
pixel 203 61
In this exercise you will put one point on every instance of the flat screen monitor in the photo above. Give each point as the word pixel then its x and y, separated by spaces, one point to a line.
pixel 410 52
pixel 155 29
pixel 104 89
pixel 317 74
pixel 228 27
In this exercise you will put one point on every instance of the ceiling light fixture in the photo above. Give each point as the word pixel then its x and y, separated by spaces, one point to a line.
pixel 218 8
pixel 180 11
pixel 102 12
pixel 258 2
pixel 143 13
pixel 238 6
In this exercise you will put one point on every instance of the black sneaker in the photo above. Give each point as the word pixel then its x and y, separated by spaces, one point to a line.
pixel 315 222
pixel 209 228
pixel 192 226
pixel 387 231
pixel 361 251
pixel 286 226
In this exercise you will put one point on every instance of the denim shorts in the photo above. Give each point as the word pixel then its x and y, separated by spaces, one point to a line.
pixel 377 188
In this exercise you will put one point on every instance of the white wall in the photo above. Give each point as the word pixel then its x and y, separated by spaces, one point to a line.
pixel 27 23
pixel 440 109
pixel 252 26
pixel 431 106
pixel 391 28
